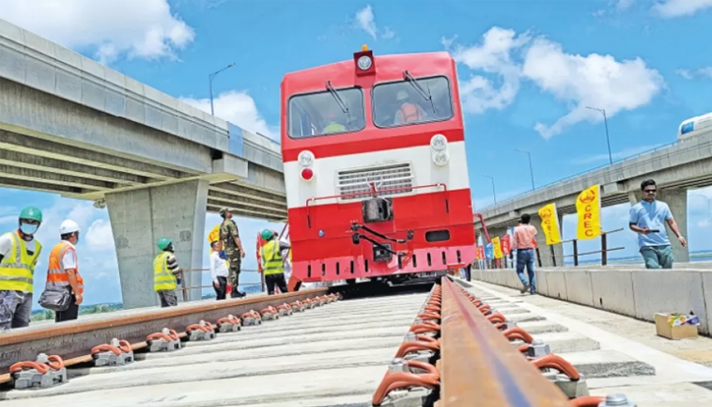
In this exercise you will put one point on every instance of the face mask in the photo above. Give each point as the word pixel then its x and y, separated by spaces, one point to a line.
pixel 28 229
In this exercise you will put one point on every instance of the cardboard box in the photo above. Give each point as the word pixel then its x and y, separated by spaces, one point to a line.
pixel 664 329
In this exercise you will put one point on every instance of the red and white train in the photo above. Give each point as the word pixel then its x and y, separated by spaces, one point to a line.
pixel 375 169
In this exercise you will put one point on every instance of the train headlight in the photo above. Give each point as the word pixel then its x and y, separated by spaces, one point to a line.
pixel 364 63
pixel 306 158
pixel 438 142
pixel 441 158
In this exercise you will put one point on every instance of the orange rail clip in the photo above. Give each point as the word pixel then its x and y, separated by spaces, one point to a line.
pixel 399 380
pixel 54 362
pixel 124 347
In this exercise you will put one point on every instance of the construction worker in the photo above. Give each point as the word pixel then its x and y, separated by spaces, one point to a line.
pixel 165 271
pixel 218 270
pixel 273 261
pixel 332 123
pixel 408 112
pixel 231 243
pixel 19 252
pixel 63 270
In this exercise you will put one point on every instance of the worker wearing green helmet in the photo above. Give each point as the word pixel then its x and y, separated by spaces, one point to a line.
pixel 271 255
pixel 19 252
pixel 166 273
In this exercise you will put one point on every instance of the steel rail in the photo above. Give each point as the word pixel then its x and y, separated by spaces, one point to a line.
pixel 74 340
pixel 480 367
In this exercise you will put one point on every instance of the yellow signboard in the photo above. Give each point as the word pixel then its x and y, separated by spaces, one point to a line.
pixel 588 208
pixel 497 245
pixel 550 223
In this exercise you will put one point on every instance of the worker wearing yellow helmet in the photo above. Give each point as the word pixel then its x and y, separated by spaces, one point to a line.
pixel 19 252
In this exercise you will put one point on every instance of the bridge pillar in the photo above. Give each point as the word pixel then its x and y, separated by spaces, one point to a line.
pixel 677 201
pixel 139 218
pixel 547 259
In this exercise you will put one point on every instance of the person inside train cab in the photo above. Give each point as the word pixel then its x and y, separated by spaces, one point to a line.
pixel 408 112
pixel 332 122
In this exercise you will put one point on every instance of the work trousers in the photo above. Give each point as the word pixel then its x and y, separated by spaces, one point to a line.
pixel 276 279
pixel 70 313
pixel 525 258
pixel 221 289
pixel 657 257
pixel 233 278
pixel 15 309
pixel 168 298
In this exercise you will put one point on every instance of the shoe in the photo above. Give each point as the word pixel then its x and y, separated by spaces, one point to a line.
pixel 240 294
pixel 524 288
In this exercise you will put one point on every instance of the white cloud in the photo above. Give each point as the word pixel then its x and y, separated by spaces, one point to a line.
pixel 624 4
pixel 366 20
pixel 99 235
pixel 679 8
pixel 705 73
pixel 619 155
pixel 494 56
pixel 111 28
pixel 594 80
pixel 238 108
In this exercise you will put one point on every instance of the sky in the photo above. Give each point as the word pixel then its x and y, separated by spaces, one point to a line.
pixel 527 71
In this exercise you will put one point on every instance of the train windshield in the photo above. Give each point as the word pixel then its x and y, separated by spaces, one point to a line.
pixel 412 101
pixel 332 111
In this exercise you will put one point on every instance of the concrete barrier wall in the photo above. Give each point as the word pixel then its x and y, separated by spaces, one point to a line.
pixel 635 293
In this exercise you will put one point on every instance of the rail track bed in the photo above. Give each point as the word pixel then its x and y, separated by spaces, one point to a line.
pixel 447 348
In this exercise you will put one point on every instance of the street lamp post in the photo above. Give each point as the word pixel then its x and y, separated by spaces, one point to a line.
pixel 531 169
pixel 494 193
pixel 608 139
pixel 212 76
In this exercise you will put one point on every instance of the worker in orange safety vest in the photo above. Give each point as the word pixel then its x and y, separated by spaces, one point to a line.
pixel 63 270
pixel 408 112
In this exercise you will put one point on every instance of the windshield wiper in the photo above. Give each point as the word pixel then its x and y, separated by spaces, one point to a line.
pixel 422 92
pixel 336 96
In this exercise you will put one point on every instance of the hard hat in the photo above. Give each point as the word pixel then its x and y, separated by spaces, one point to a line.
pixel 223 211
pixel 31 213
pixel 402 95
pixel 67 227
pixel 164 242
pixel 267 234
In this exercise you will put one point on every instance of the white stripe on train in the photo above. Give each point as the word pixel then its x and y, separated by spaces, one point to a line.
pixel 425 172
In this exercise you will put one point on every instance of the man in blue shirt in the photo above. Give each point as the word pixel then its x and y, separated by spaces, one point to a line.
pixel 648 218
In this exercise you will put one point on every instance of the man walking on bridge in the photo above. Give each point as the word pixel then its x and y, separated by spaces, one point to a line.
pixel 231 243
pixel 525 243
pixel 648 218
pixel 165 270
pixel 19 252
pixel 273 262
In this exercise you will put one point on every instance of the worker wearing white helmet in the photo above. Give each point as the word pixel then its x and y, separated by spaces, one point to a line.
pixel 63 272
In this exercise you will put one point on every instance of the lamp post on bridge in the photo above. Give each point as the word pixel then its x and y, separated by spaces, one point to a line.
pixel 531 170
pixel 494 193
pixel 212 76
pixel 608 139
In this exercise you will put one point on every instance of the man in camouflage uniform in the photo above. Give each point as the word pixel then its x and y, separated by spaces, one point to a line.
pixel 230 238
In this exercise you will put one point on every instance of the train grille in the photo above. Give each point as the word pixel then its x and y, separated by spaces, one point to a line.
pixel 356 184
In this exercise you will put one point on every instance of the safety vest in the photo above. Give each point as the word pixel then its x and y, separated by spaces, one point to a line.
pixel 273 261
pixel 56 274
pixel 163 279
pixel 334 127
pixel 410 113
pixel 18 268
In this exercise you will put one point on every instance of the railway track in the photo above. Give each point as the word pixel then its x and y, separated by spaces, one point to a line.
pixel 454 346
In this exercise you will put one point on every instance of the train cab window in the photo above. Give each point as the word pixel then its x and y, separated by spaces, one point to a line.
pixel 412 101
pixel 333 111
